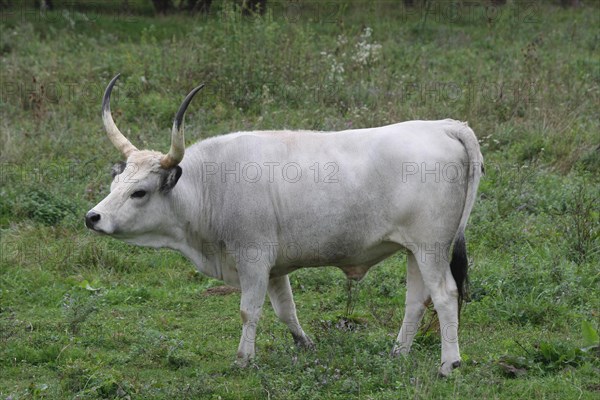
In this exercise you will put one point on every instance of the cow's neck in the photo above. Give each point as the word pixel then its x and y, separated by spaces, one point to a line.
pixel 190 232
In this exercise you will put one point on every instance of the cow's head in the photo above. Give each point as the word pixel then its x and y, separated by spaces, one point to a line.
pixel 137 204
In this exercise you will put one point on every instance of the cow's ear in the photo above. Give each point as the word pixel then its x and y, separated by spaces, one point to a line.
pixel 170 178
pixel 117 169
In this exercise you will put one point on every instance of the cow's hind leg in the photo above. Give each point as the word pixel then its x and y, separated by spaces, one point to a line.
pixel 417 297
pixel 280 293
pixel 438 279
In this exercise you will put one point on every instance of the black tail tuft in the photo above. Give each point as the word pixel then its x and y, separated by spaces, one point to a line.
pixel 459 266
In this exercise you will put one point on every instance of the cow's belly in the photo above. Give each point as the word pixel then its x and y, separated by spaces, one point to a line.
pixel 355 265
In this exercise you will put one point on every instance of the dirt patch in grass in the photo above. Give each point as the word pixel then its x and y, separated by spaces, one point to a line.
pixel 220 291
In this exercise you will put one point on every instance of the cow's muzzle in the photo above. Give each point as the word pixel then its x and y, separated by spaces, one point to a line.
pixel 91 219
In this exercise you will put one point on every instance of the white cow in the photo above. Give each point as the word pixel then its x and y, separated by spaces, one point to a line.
pixel 250 207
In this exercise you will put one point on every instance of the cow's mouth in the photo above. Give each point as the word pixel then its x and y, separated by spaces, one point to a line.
pixel 97 230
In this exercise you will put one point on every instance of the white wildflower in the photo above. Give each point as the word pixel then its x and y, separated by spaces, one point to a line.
pixel 366 52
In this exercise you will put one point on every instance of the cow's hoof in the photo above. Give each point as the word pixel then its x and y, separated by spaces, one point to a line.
pixel 303 342
pixel 398 351
pixel 243 361
pixel 447 367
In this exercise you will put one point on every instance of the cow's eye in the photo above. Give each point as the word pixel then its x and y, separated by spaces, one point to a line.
pixel 138 194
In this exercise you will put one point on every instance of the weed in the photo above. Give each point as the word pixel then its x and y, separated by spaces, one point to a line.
pixel 46 208
pixel 552 356
pixel 77 309
pixel 580 220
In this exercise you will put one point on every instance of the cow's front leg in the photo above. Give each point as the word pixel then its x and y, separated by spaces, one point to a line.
pixel 253 282
pixel 280 293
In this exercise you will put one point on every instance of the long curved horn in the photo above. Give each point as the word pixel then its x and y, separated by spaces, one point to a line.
pixel 114 134
pixel 177 150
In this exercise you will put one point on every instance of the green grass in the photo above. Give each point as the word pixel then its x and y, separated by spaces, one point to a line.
pixel 83 316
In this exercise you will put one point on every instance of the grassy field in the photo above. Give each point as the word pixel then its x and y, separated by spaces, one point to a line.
pixel 86 317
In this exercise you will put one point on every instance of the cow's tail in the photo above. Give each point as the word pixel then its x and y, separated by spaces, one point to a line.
pixel 474 170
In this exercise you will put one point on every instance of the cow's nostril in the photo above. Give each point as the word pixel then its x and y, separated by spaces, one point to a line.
pixel 91 219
